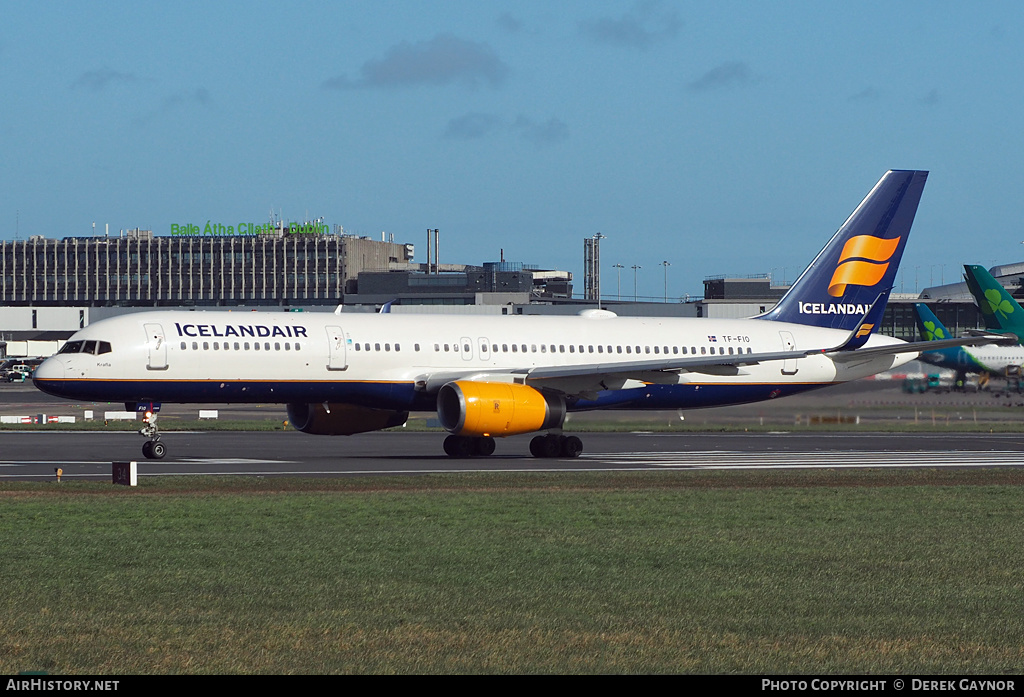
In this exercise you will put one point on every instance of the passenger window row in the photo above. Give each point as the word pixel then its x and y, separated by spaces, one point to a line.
pixel 241 346
pixel 580 348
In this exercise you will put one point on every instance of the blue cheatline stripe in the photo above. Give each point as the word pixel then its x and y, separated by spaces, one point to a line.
pixel 397 395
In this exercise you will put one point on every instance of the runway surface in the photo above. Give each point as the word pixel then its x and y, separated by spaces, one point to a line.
pixel 88 455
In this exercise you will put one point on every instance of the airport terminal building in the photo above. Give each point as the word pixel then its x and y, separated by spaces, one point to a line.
pixel 138 268
pixel 51 287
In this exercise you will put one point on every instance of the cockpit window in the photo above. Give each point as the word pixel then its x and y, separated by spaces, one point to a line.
pixel 91 346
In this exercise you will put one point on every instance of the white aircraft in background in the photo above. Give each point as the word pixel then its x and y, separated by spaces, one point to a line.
pixel 489 377
pixel 1003 360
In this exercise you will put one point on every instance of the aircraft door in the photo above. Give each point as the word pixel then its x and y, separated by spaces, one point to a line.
pixel 156 345
pixel 338 356
pixel 789 366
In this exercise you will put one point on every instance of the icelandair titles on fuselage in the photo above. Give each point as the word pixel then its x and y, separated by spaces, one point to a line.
pixel 833 309
pixel 240 330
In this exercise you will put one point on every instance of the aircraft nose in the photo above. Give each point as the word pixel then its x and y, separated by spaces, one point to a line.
pixel 49 373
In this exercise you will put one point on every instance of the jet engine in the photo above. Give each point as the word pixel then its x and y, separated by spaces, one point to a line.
pixel 497 409
pixel 342 419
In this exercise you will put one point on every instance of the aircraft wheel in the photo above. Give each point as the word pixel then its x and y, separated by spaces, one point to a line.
pixel 571 447
pixel 546 446
pixel 483 446
pixel 457 446
pixel 536 446
pixel 158 450
pixel 147 450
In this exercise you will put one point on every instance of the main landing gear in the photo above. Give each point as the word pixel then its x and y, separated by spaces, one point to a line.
pixel 153 449
pixel 468 446
pixel 553 445
pixel 541 446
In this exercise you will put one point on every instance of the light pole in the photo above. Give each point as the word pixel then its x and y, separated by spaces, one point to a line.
pixel 666 265
pixel 635 267
pixel 618 280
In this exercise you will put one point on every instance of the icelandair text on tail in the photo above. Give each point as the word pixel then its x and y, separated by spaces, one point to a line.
pixel 833 309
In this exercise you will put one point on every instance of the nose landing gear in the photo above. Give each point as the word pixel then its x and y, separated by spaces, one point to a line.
pixel 153 449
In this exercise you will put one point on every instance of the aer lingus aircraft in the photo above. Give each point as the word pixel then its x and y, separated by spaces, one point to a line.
pixel 991 359
pixel 1002 313
pixel 490 377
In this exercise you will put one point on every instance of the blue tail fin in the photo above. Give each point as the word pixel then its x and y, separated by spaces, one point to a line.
pixel 860 261
pixel 932 329
pixel 930 326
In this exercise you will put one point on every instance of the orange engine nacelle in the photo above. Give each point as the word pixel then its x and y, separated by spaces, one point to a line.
pixel 497 409
pixel 342 419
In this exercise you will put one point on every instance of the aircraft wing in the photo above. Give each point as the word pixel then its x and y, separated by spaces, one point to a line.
pixel 594 377
pixel 611 375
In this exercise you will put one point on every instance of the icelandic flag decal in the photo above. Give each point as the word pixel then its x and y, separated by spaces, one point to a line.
pixel 712 338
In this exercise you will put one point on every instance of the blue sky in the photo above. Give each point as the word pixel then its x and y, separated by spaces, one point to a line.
pixel 724 137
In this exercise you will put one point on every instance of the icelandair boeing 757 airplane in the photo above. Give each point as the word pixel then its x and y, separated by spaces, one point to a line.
pixel 490 377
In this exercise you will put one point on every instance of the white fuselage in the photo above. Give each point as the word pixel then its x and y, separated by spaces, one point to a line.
pixel 395 360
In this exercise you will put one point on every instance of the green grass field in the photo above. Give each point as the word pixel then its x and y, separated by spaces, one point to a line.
pixel 674 572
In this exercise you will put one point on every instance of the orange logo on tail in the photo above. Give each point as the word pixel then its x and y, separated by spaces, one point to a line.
pixel 854 270
pixel 864 330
